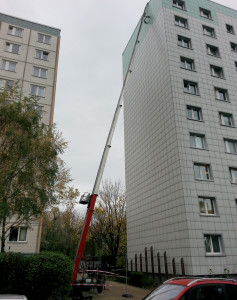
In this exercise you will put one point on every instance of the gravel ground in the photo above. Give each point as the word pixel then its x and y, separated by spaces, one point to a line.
pixel 115 290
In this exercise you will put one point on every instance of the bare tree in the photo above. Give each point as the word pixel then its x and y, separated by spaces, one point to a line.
pixel 108 228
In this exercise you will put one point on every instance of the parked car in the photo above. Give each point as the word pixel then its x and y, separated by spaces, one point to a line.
pixel 12 297
pixel 183 288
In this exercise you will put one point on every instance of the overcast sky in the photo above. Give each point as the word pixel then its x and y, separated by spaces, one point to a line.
pixel 94 34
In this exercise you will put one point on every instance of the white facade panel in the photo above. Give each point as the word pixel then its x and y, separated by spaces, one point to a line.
pixel 169 180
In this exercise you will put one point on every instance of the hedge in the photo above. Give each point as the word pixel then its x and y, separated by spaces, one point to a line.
pixel 41 276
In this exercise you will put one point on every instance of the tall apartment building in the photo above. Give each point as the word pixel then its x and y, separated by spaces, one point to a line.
pixel 180 108
pixel 29 57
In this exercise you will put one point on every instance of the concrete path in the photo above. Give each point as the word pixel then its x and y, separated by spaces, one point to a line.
pixel 115 290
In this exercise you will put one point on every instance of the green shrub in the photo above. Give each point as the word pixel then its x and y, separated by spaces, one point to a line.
pixel 140 279
pixel 136 278
pixel 48 274
pixel 12 266
pixel 40 277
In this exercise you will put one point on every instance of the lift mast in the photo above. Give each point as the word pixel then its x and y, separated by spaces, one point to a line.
pixel 92 198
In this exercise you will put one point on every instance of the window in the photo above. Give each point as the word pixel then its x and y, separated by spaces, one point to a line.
pixel 202 171
pixel 230 28
pixel 13 48
pixel 184 42
pixel 209 291
pixel 36 90
pixel 181 22
pixel 6 84
pixel 194 113
pixel 207 206
pixel 231 291
pixel 15 31
pixel 42 38
pixel 9 65
pixel 233 174
pixel 208 31
pixel 221 94
pixel 217 71
pixel 233 47
pixel 190 87
pixel 18 234
pixel 39 110
pixel 197 141
pixel 230 146
pixel 236 65
pixel 187 63
pixel 212 243
pixel 213 50
pixel 40 54
pixel 226 119
pixel 39 72
pixel 179 4
pixel 205 13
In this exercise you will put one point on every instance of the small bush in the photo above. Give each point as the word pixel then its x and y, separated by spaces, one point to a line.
pixel 136 279
pixel 140 279
pixel 48 274
pixel 44 276
pixel 12 266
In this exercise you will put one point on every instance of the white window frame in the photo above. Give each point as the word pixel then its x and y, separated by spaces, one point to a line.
pixel 37 89
pixel 196 139
pixel 227 143
pixel 233 46
pixel 4 84
pixel 205 13
pixel 193 109
pixel 179 4
pixel 9 47
pixel 205 205
pixel 233 175
pixel 217 71
pixel 223 115
pixel 230 29
pixel 16 31
pixel 209 31
pixel 209 238
pixel 19 234
pixel 202 168
pixel 190 86
pixel 6 65
pixel 186 62
pixel 181 22
pixel 44 38
pixel 38 72
pixel 41 52
pixel 39 109
pixel 182 40
pixel 219 92
pixel 210 48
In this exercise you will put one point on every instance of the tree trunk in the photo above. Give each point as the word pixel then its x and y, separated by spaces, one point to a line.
pixel 3 238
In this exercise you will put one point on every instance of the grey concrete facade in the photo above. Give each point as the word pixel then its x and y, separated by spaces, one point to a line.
pixel 29 58
pixel 180 155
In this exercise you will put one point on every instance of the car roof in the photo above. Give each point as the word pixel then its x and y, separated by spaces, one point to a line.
pixel 9 297
pixel 187 281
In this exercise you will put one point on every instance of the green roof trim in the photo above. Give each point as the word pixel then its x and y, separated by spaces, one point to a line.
pixel 153 9
pixel 192 10
pixel 29 25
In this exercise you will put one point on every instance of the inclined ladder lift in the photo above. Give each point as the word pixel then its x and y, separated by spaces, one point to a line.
pixel 91 199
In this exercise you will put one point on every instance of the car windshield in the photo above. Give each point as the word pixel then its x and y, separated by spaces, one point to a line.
pixel 165 292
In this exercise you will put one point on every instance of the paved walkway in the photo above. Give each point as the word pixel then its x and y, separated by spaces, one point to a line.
pixel 115 290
